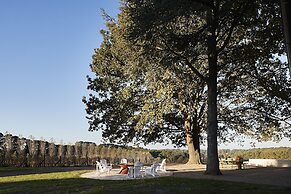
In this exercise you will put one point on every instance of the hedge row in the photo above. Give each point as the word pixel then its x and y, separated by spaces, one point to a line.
pixel 22 152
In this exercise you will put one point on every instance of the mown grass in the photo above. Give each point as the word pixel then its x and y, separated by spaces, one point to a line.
pixel 43 176
pixel 15 169
pixel 70 182
pixel 43 169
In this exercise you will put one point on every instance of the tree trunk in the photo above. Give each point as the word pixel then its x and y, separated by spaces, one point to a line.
pixel 286 17
pixel 212 167
pixel 192 140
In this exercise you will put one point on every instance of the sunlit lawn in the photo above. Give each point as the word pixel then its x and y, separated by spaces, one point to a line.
pixel 70 182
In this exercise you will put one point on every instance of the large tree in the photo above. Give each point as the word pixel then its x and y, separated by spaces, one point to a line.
pixel 139 100
pixel 218 33
pixel 153 65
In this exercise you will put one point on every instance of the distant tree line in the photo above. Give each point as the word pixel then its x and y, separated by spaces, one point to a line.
pixel 22 152
pixel 258 153
pixel 172 156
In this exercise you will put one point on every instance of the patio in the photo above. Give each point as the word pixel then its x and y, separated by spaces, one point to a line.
pixel 172 169
pixel 114 175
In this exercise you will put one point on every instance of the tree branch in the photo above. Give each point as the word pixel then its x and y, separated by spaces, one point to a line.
pixel 206 3
pixel 202 77
pixel 233 25
pixel 271 88
pixel 185 60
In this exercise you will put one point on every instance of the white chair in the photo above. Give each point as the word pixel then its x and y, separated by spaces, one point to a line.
pixel 162 166
pixel 136 170
pixel 104 162
pixel 152 170
pixel 103 167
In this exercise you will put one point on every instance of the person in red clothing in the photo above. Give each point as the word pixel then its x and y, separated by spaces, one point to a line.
pixel 123 169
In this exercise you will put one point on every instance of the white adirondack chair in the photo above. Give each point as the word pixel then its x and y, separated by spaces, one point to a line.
pixel 162 166
pixel 136 170
pixel 102 167
pixel 152 170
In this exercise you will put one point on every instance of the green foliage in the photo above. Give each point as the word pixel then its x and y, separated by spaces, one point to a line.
pixel 137 99
pixel 283 153
pixel 230 46
pixel 258 92
pixel 225 44
pixel 41 153
pixel 254 85
pixel 172 156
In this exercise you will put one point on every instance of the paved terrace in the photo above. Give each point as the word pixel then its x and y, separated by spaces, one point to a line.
pixel 114 175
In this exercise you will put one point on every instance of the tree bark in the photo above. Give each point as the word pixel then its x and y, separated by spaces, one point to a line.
pixel 212 167
pixel 192 140
pixel 286 17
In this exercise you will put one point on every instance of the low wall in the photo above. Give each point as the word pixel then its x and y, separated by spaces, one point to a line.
pixel 269 163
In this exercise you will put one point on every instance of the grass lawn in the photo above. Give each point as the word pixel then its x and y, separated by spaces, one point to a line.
pixel 70 182
pixel 12 169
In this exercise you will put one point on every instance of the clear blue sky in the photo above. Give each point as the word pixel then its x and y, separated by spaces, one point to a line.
pixel 45 52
